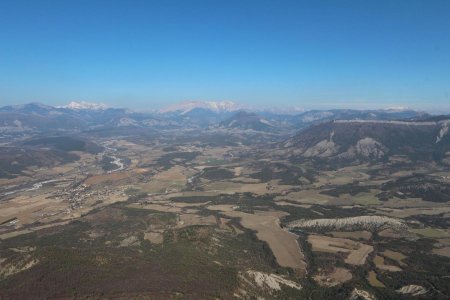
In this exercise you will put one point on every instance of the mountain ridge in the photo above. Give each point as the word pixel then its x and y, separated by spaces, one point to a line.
pixel 194 114
pixel 371 140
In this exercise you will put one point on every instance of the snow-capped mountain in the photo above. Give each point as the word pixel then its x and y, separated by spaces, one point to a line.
pixel 85 105
pixel 187 106
pixel 191 114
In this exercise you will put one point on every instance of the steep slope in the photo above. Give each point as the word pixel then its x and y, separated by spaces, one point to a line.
pixel 245 120
pixel 372 140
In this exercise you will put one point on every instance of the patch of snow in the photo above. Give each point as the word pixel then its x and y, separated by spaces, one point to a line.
pixel 85 105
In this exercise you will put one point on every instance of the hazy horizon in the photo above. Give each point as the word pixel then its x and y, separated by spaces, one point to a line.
pixel 245 106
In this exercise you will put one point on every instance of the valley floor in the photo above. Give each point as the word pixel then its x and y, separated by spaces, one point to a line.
pixel 200 218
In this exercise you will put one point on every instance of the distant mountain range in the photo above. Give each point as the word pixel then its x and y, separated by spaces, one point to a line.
pixel 339 135
pixel 248 121
pixel 188 106
pixel 84 116
pixel 39 117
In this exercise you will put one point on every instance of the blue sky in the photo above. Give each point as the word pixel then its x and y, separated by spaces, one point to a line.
pixel 146 54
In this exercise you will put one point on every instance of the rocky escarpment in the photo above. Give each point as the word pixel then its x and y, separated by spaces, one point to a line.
pixel 374 140
pixel 412 290
pixel 361 295
pixel 444 131
pixel 323 148
pixel 370 223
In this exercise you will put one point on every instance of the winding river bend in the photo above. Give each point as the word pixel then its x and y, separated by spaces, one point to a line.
pixel 110 152
pixel 29 187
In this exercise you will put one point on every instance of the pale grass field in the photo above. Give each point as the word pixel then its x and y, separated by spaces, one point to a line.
pixel 29 209
pixel 432 232
pixel 355 235
pixel 397 256
pixel 373 280
pixel 98 179
pixel 380 264
pixel 357 252
pixel 336 277
pixel 444 251
pixel 283 244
